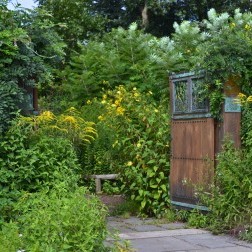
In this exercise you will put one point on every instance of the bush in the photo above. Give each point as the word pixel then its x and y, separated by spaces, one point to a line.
pixel 122 57
pixel 11 96
pixel 33 165
pixel 57 221
pixel 229 200
pixel 141 133
pixel 10 238
pixel 98 156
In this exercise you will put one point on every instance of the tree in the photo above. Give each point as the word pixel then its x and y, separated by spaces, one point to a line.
pixel 76 20
pixel 30 48
pixel 197 10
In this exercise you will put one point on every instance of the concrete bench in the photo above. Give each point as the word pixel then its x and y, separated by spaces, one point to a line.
pixel 100 177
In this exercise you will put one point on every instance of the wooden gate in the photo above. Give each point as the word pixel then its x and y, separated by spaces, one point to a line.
pixel 193 144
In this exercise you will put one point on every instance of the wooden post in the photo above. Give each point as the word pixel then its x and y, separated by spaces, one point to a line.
pixel 232 113
pixel 98 185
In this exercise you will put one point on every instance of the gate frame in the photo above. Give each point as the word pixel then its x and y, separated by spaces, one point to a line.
pixel 229 125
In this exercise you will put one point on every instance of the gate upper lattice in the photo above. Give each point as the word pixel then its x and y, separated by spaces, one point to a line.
pixel 187 96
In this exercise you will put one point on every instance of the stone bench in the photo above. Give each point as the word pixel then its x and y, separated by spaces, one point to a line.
pixel 100 177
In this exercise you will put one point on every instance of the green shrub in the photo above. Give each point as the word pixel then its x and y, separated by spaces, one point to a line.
pixel 11 96
pixel 10 238
pixel 57 221
pixel 141 132
pixel 122 57
pixel 32 166
pixel 197 219
pixel 229 199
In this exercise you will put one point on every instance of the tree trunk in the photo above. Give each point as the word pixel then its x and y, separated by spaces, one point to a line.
pixel 145 20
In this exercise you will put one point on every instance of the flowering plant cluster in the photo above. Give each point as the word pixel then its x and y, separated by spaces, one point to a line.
pixel 141 140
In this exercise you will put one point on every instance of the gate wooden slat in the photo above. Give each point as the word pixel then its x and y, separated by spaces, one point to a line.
pixel 192 150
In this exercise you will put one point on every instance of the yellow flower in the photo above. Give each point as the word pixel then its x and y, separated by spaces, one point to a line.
pixel 156 110
pixel 134 88
pixel 46 116
pixel 89 102
pixel 100 118
pixel 138 145
pixel 120 110
pixel 247 27
pixel 117 102
pixel 241 96
pixel 232 25
pixel 129 163
pixel 249 99
pixel 70 119
pixel 103 102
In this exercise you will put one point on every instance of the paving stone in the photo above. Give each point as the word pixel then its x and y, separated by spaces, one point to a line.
pixel 148 228
pixel 162 244
pixel 134 221
pixel 208 240
pixel 171 226
pixel 150 236
pixel 241 243
pixel 157 234
pixel 229 249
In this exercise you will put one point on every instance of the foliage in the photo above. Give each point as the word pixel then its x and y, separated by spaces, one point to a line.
pixel 142 141
pixel 246 123
pixel 10 238
pixel 226 56
pixel 110 187
pixel 126 209
pixel 34 165
pixel 186 38
pixel 159 15
pixel 229 199
pixel 246 233
pixel 29 48
pixel 197 10
pixel 217 49
pixel 10 96
pixel 68 124
pixel 53 221
pixel 123 57
pixel 77 22
pixel 197 219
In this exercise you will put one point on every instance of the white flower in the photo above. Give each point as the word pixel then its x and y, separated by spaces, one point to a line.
pixel 133 27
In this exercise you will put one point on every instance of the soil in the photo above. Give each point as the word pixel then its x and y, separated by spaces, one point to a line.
pixel 111 201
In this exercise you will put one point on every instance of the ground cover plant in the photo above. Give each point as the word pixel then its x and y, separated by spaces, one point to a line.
pixel 56 220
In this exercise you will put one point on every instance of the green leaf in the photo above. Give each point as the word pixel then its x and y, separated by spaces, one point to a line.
pixel 143 203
